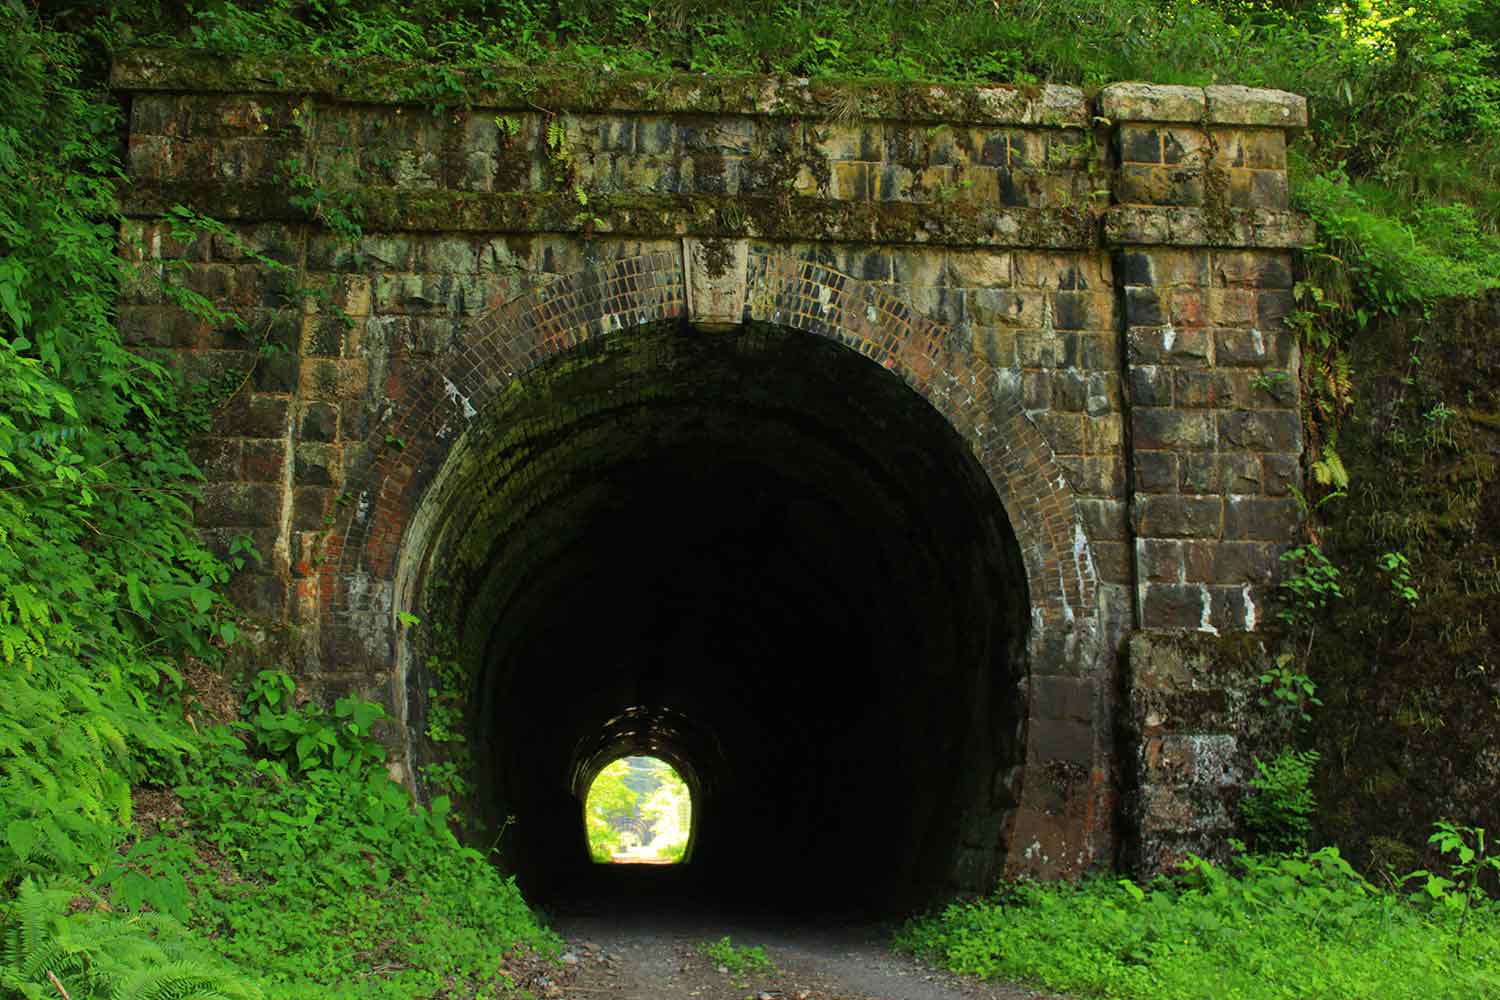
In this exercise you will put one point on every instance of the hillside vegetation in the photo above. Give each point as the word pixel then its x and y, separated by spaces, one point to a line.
pixel 157 840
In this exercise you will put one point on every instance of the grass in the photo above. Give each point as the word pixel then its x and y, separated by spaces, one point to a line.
pixel 1290 927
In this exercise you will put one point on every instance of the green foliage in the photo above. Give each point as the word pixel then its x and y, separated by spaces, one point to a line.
pixel 1395 257
pixel 103 585
pixel 313 867
pixel 1288 686
pixel 1294 926
pixel 59 939
pixel 1310 584
pixel 741 960
pixel 1398 569
pixel 1279 809
pixel 1469 859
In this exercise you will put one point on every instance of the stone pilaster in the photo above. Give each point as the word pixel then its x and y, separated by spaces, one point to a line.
pixel 1201 235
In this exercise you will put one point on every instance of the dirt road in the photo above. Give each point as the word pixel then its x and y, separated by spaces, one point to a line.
pixel 637 950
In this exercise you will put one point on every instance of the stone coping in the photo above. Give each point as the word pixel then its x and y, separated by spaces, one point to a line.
pixel 1221 105
pixel 387 82
pixel 597 91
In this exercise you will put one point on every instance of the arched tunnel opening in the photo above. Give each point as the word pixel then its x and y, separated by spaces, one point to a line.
pixel 757 556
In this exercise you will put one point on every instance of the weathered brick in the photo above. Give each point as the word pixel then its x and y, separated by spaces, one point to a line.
pixel 1095 476
pixel 1151 102
pixel 1112 561
pixel 1067 433
pixel 1069 390
pixel 1105 394
pixel 1083 310
pixel 1175 605
pixel 1261 519
pixel 261 594
pixel 1282 474
pixel 1273 306
pixel 320 422
pixel 1261 430
pixel 1106 433
pixel 1162 560
pixel 1104 520
pixel 1231 104
pixel 1182 145
pixel 1169 345
pixel 1069 699
pixel 1002 307
pixel 1139 144
pixel 309 505
pixel 238 504
pixel 1143 307
pixel 1191 759
pixel 1180 185
pixel 1220 472
pixel 978 269
pixel 318 464
pixel 252 415
pixel 1268 189
pixel 1156 472
pixel 277 372
pixel 1150 385
pixel 264 460
pixel 1172 430
pixel 1057 740
pixel 1244 562
pixel 1164 516
pixel 1197 388
pixel 217 458
pixel 1252 269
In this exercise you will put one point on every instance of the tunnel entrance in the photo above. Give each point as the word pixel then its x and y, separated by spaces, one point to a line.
pixel 756 556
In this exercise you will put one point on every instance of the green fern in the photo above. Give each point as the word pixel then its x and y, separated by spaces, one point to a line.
pixel 1329 470
pixel 59 930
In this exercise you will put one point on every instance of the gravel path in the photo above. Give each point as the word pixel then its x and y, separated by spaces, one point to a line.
pixel 636 951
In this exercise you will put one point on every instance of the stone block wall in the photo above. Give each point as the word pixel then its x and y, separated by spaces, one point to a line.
pixel 1193 724
pixel 1106 273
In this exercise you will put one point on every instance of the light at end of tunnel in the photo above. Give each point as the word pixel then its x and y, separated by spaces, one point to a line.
pixel 638 811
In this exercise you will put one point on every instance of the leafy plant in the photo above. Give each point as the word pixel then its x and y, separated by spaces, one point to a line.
pixel 736 960
pixel 1279 810
pixel 1311 582
pixel 1465 846
pixel 1398 568
pixel 1288 686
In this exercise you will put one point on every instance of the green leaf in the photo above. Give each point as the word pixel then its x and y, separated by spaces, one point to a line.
pixel 22 835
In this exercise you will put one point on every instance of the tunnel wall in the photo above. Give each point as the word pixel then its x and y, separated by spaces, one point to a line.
pixel 1089 288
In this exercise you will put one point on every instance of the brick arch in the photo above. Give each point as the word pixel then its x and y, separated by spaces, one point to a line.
pixel 432 401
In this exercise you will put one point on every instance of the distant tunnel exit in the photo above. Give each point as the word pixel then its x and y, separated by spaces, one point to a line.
pixel 761 559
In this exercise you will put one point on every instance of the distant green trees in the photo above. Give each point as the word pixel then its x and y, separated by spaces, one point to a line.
pixel 645 796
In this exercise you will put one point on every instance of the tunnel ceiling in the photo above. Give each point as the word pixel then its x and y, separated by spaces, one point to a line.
pixel 760 557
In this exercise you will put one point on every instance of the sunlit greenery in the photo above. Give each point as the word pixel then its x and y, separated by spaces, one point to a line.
pixel 638 810
pixel 1296 926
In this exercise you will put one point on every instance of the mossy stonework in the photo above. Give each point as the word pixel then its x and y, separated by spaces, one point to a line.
pixel 1411 688
pixel 704 418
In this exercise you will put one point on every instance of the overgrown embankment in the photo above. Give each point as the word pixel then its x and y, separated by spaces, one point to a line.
pixel 1408 661
pixel 273 856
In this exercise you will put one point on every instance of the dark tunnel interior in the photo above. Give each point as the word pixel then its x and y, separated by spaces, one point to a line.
pixel 762 558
